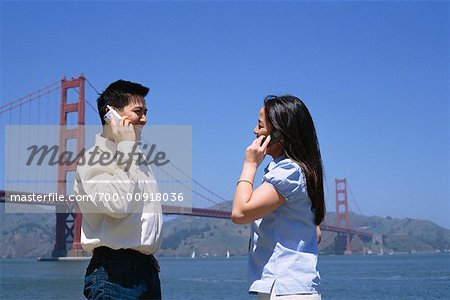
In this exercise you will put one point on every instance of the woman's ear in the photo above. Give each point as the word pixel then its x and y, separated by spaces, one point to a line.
pixel 281 142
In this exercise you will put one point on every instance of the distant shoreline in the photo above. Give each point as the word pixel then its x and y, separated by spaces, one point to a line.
pixel 84 259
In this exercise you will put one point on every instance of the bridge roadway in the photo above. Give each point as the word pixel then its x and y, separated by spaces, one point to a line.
pixel 198 212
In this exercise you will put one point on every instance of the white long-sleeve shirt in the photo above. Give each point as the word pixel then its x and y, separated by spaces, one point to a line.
pixel 126 220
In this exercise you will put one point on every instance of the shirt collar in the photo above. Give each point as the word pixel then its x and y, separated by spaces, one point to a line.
pixel 104 144
pixel 274 162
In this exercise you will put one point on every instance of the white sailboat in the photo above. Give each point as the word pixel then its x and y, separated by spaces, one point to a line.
pixel 193 254
pixel 228 254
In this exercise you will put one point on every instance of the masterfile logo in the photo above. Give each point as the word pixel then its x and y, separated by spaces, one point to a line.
pixel 35 160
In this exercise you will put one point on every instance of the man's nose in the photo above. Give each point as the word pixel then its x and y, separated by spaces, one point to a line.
pixel 143 120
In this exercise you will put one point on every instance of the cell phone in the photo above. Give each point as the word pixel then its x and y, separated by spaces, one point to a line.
pixel 112 113
pixel 275 136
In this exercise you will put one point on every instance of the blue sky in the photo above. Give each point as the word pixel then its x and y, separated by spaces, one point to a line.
pixel 375 76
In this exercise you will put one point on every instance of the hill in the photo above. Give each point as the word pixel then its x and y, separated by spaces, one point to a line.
pixel 33 235
pixel 207 236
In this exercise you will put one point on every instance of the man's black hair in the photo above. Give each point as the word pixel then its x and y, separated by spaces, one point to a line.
pixel 119 94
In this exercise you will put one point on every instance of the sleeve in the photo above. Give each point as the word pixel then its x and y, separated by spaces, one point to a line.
pixel 107 188
pixel 288 179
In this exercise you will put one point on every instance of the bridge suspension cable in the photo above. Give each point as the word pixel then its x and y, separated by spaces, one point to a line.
pixel 28 98
pixel 354 199
pixel 221 199
pixel 201 190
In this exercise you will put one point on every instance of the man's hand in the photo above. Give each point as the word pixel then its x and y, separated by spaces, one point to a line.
pixel 156 266
pixel 123 131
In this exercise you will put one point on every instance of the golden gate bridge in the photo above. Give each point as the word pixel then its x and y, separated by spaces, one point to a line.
pixel 68 219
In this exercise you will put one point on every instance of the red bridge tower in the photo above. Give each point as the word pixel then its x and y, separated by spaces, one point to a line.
pixel 342 245
pixel 68 220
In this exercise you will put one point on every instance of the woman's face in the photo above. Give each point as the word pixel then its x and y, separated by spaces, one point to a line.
pixel 264 127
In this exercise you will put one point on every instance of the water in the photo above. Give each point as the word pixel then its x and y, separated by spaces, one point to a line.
pixel 418 276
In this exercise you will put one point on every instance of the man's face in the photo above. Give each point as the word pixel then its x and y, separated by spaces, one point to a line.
pixel 136 111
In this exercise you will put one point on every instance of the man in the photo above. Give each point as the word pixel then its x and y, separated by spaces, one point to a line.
pixel 122 231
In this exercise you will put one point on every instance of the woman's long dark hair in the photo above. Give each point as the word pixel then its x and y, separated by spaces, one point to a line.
pixel 291 117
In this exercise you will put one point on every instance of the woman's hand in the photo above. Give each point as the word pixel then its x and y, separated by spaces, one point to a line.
pixel 319 234
pixel 249 205
pixel 255 153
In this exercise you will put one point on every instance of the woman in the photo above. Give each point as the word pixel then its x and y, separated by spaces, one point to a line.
pixel 286 209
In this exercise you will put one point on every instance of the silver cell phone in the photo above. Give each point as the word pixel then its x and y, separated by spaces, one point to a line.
pixel 112 113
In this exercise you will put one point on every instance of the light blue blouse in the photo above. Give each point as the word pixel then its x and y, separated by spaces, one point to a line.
pixel 283 244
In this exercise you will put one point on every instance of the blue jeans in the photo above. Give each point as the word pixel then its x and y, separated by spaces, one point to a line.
pixel 121 274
